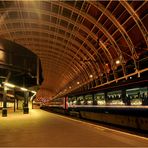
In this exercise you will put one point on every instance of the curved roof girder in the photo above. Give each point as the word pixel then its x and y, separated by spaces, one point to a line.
pixel 107 36
pixel 104 47
pixel 62 36
pixel 82 38
pixel 65 18
pixel 137 20
pixel 113 42
pixel 57 46
pixel 120 28
pixel 57 52
pixel 91 71
pixel 73 68
pixel 102 64
pixel 70 76
pixel 44 50
pixel 113 20
pixel 45 43
pixel 106 33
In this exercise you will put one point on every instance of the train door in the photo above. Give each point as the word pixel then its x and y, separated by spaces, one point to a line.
pixel 65 103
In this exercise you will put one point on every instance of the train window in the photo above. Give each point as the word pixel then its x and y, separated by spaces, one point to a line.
pixel 99 99
pixel 114 98
pixel 137 96
pixel 74 100
pixel 80 100
pixel 88 100
pixel 71 101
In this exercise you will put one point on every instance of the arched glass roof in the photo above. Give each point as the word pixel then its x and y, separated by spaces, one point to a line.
pixel 78 41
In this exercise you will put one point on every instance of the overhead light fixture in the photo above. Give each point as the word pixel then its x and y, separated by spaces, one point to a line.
pixel 117 62
pixel 24 89
pixel 69 87
pixel 9 85
pixel 91 76
pixel 33 92
pixel 78 82
pixel 138 75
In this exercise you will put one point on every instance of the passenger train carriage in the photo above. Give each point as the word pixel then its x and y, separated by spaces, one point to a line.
pixel 124 107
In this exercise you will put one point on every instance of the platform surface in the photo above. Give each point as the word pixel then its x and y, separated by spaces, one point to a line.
pixel 43 129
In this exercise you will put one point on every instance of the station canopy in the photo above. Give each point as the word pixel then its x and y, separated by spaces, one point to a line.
pixel 78 42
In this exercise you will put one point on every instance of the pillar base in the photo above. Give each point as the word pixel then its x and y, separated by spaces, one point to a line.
pixel 4 112
pixel 26 110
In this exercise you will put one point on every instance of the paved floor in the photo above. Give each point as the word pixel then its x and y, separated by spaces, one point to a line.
pixel 44 129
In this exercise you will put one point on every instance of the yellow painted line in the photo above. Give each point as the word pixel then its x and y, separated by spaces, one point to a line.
pixel 103 128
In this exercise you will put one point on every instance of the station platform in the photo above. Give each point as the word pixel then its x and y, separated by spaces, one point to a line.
pixel 44 129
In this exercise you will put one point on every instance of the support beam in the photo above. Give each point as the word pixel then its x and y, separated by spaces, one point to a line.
pixel 14 100
pixel 4 109
pixel 38 71
pixel 17 103
pixel 32 103
pixel 25 104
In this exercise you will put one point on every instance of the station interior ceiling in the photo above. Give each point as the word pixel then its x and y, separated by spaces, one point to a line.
pixel 78 42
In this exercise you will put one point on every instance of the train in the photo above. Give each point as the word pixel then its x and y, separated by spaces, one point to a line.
pixel 125 106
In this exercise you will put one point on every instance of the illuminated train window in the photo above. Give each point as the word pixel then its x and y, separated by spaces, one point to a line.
pixel 114 98
pixel 80 100
pixel 137 96
pixel 88 100
pixel 99 99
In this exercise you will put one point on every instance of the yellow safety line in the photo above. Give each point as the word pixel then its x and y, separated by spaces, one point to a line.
pixel 103 128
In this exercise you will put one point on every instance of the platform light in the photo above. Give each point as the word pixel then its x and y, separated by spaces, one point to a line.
pixel 69 87
pixel 138 75
pixel 78 83
pixel 90 76
pixel 117 62
pixel 33 92
pixel 9 85
pixel 23 89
